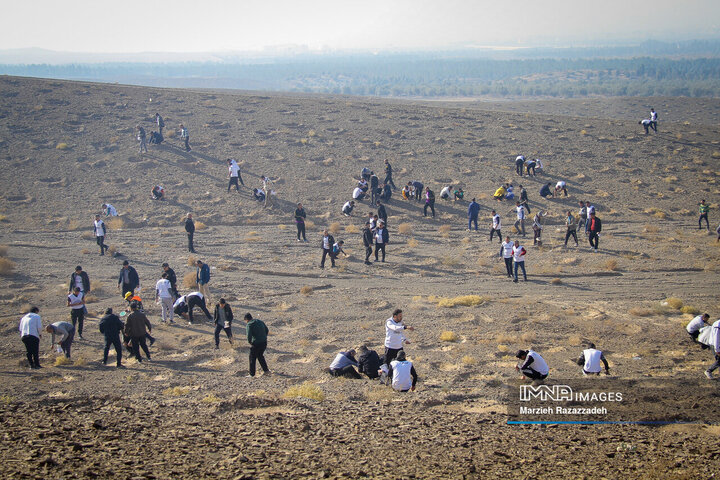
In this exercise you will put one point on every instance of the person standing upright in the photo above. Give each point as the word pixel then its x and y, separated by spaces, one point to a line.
pixel 374 188
pixel 704 209
pixel 520 222
pixel 137 326
pixel 368 242
pixel 160 123
pixel 519 258
pixel 30 333
pixel 257 333
pixel 202 276
pixel 524 199
pixel 429 202
pixel 128 279
pixel 234 173
pixel 382 213
pixel 388 175
pixel 172 278
pixel 571 225
pixel 395 336
pixel 79 278
pixel 111 326
pixel 506 253
pixel 223 318
pixel 520 165
pixel 382 238
pixel 76 302
pixel 100 230
pixel 594 229
pixel 141 138
pixel 473 212
pixel 326 243
pixel 582 215
pixel 300 222
pixel 185 136
pixel 653 119
pixel 190 230
pixel 164 295
pixel 496 226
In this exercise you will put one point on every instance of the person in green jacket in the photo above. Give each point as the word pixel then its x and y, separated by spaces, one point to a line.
pixel 257 338
pixel 703 210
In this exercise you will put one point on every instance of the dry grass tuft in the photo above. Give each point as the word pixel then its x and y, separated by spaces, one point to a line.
pixel 334 228
pixel 555 281
pixel 672 302
pixel 62 360
pixel 176 391
pixel 210 398
pixel 611 265
pixel 306 390
pixel 25 307
pixel 351 229
pixel 378 393
pixel 115 223
pixel 444 229
pixel 641 312
pixel 80 362
pixel 112 250
pixel 62 146
pixel 448 336
pixel 306 290
pixel 192 261
pixel 690 310
pixel 200 226
pixel 412 243
pixel 463 300
pixel 405 229
pixel 450 260
pixel 190 280
pixel 7 266
pixel 469 360
pixel 90 298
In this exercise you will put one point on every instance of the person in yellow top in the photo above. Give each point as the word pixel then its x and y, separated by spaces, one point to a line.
pixel 406 192
pixel 500 193
pixel 703 210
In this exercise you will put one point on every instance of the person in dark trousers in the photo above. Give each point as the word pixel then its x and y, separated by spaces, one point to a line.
pixel 137 326
pixel 506 253
pixel 300 222
pixel 519 258
pixel 368 242
pixel 429 202
pixel 76 302
pixel 30 334
pixel 473 212
pixel 185 305
pixel 496 226
pixel 524 199
pixel 160 123
pixel 79 278
pixel 395 335
pixel 646 125
pixel 257 333
pixel 374 188
pixel 172 278
pixel 519 165
pixel 545 191
pixel 382 213
pixel 417 189
pixel 141 136
pixel 111 326
pixel 571 225
pixel 653 119
pixel 400 373
pixel 234 174
pixel 530 165
pixel 386 193
pixel 128 279
pixel 388 175
pixel 590 360
pixel 382 237
pixel 202 278
pixel 100 231
pixel 582 215
pixel 185 136
pixel 337 249
pixel 326 243
pixel 704 209
pixel 368 362
pixel 594 229
pixel 223 318
pixel 190 229
pixel 66 331
pixel 533 365
pixel 343 365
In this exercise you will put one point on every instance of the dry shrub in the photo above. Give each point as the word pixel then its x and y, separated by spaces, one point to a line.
pixel 660 214
pixel 650 229
pixel 115 223
pixel 334 228
pixel 73 225
pixel 412 243
pixel 466 240
pixel 574 340
pixel 192 261
pixel 463 300
pixel 448 336
pixel 505 338
pixel 80 362
pixel 378 393
pixel 503 348
pixel 555 281
pixel 405 229
pixel 62 360
pixel 190 280
pixel 528 337
pixel 176 391
pixel 309 224
pixel 690 310
pixel 583 132
pixel 306 290
pixel 306 390
pixel 210 398
pixel 469 360
pixel 444 229
pixel 200 226
pixel 3 218
pixel 88 236
pixel 7 266
pixel 282 226
pixel 351 229
pixel 449 260
pixel 672 302
pixel 62 146
pixel 112 250
pixel 611 265
pixel 226 267
pixel 670 179
pixel 90 298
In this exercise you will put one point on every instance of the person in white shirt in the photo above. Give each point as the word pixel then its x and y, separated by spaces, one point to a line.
pixel 533 366
pixel 30 332
pixel 445 192
pixel 382 238
pixel 348 208
pixel 164 295
pixel 184 306
pixel 538 166
pixel 537 227
pixel 100 230
pixel 402 374
pixel 653 119
pixel 185 136
pixel 560 187
pixel 358 194
pixel 519 164
pixel 395 336
pixel 590 360
pixel 326 243
pixel 519 258
pixel 693 328
pixel 109 210
pixel 495 227
pixel 520 223
pixel 506 253
pixel 646 125
pixel 234 172
pixel 716 346
pixel 76 302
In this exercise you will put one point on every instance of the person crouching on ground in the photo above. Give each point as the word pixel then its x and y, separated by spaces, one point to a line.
pixel 533 366
pixel 402 374
pixel 344 365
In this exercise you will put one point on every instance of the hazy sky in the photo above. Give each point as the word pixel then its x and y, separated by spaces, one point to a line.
pixel 214 25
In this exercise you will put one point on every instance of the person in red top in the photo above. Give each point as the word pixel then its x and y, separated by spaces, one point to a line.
pixel 594 228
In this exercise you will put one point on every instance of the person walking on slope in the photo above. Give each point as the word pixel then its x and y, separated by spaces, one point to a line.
pixel 520 222
pixel 388 175
pixel 128 279
pixel 506 253
pixel 594 229
pixel 495 226
pixel 202 277
pixel 382 238
pixel 590 360
pixel 190 230
pixel 571 225
pixel 257 333
pixel 368 242
pixel 141 138
pixel 30 333
pixel 185 136
pixel 524 199
pixel 429 202
pixel 100 230
pixel 395 335
pixel 519 258
pixel 223 318
pixel 472 213
pixel 300 222
pixel 234 173
pixel 111 326
pixel 137 326
pixel 537 227
pixel 164 295
pixel 704 209
pixel 76 302
pixel 326 243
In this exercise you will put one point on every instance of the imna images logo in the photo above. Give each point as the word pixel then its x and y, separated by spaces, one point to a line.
pixel 562 393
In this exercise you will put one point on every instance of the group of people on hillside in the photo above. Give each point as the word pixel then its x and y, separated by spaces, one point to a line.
pixel 156 137
pixel 369 186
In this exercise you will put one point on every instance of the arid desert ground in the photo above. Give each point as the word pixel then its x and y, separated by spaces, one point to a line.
pixel 66 148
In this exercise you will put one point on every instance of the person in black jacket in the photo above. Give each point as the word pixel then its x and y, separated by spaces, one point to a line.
pixel 190 229
pixel 300 222
pixel 128 279
pixel 172 278
pixel 594 229
pixel 79 278
pixel 223 318
pixel 388 175
pixel 111 326
pixel 429 202
pixel 368 242
pixel 381 239
pixel 368 362
pixel 326 244
pixel 382 213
